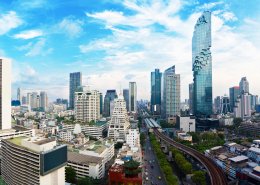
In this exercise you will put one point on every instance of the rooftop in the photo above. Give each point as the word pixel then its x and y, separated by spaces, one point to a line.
pixel 17 140
pixel 83 159
pixel 238 158
pixel 256 150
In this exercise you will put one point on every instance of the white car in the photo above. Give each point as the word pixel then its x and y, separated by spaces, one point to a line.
pixel 147 178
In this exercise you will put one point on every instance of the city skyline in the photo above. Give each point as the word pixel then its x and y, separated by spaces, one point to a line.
pixel 98 32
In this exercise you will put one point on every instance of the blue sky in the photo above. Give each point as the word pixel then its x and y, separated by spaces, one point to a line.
pixel 113 42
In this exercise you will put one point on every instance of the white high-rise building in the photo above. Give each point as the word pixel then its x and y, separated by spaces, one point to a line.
pixel 132 97
pixel 119 123
pixel 5 94
pixel 133 138
pixel 43 100
pixel 243 106
pixel 244 85
pixel 87 105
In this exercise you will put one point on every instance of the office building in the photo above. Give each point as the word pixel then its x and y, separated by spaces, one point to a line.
pixel 133 138
pixel 5 94
pixel 35 161
pixel 119 123
pixel 191 98
pixel 110 96
pixel 156 78
pixel 19 97
pixel 101 103
pixel 202 66
pixel 225 105
pixel 75 82
pixel 43 100
pixel 87 105
pixel 132 97
pixel 234 92
pixel 242 107
pixel 254 101
pixel 171 93
pixel 217 105
pixel 186 123
pixel 126 98
pixel 244 85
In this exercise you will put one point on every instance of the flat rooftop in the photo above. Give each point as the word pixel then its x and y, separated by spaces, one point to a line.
pixel 83 159
pixel 17 140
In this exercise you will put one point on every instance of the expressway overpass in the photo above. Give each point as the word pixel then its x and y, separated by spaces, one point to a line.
pixel 217 176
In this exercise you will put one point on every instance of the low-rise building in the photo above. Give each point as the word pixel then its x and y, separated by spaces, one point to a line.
pixel 86 165
pixel 254 154
pixel 66 135
pixel 186 124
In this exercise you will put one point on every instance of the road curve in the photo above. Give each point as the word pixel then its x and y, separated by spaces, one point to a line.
pixel 217 177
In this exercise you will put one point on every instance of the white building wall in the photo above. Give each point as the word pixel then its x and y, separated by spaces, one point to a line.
pixel 187 124
pixel 56 177
pixel 6 76
pixel 133 138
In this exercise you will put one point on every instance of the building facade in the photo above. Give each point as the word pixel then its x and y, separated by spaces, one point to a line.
pixel 156 78
pixel 243 85
pixel 33 161
pixel 202 66
pixel 119 123
pixel 110 96
pixel 87 105
pixel 132 97
pixel 126 98
pixel 5 94
pixel 191 98
pixel 75 82
pixel 133 138
pixel 43 100
pixel 171 93
pixel 233 95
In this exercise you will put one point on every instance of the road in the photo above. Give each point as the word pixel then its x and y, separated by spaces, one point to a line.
pixel 153 173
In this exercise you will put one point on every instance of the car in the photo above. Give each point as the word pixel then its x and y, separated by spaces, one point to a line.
pixel 159 177
pixel 146 173
pixel 152 166
pixel 147 178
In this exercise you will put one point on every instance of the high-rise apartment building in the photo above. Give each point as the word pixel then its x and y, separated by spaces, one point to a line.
pixel 244 85
pixel 33 161
pixel 126 98
pixel 243 106
pixel 156 78
pixel 5 94
pixel 171 93
pixel 233 95
pixel 119 123
pixel 75 82
pixel 87 105
pixel 191 98
pixel 43 100
pixel 132 97
pixel 19 97
pixel 110 96
pixel 202 66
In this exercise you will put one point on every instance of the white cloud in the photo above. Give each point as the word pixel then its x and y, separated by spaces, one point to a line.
pixel 29 34
pixel 231 51
pixel 72 27
pixel 9 21
pixel 38 48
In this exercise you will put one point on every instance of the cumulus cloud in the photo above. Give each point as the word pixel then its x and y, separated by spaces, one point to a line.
pixel 70 26
pixel 28 34
pixel 9 21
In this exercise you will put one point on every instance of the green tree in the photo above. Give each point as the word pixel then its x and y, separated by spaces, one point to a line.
pixel 70 175
pixel 237 121
pixel 88 181
pixel 199 177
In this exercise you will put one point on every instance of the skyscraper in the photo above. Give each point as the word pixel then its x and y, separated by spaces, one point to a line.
pixel 202 66
pixel 244 85
pixel 75 82
pixel 191 98
pixel 156 77
pixel 132 97
pixel 110 96
pixel 225 105
pixel 171 93
pixel 19 97
pixel 126 98
pixel 217 105
pixel 233 95
pixel 43 100
pixel 5 94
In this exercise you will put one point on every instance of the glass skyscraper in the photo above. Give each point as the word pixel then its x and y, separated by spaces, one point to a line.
pixel 156 77
pixel 202 66
pixel 75 82
pixel 233 95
